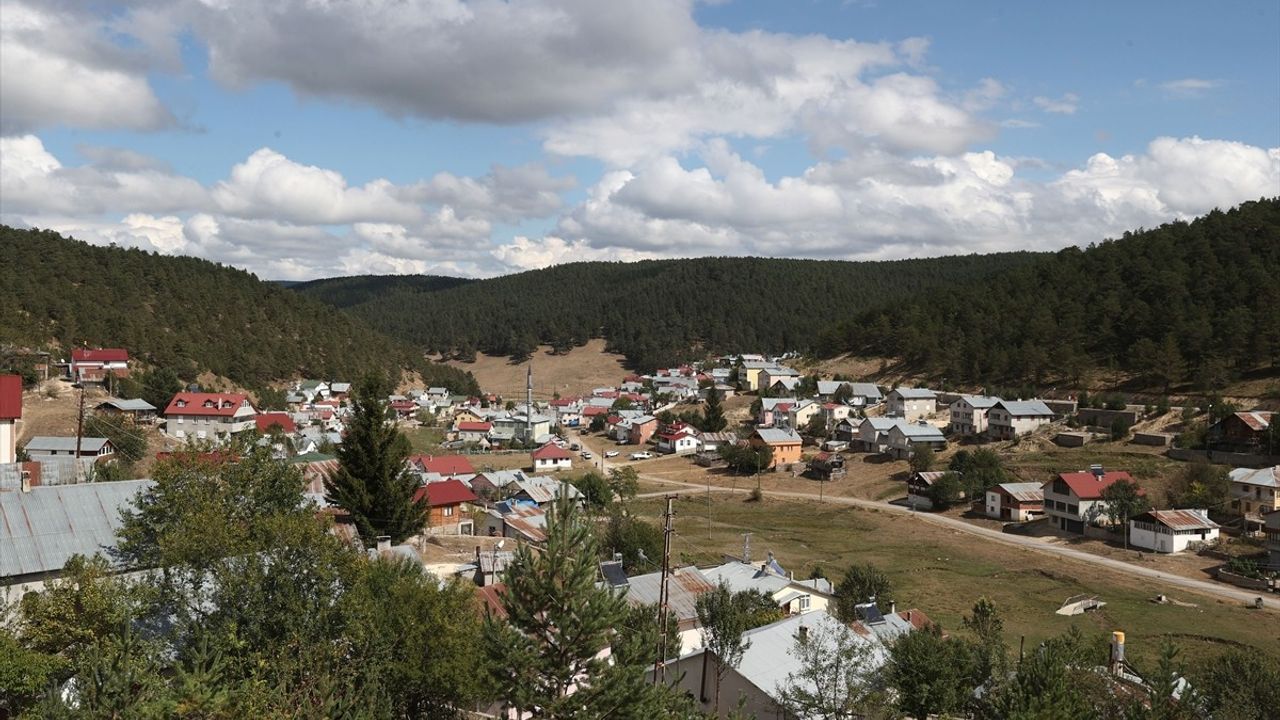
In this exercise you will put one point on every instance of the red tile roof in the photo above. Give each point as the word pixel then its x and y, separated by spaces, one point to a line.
pixel 10 397
pixel 483 427
pixel 444 464
pixel 100 355
pixel 223 404
pixel 491 598
pixel 1087 486
pixel 445 492
pixel 551 451
pixel 592 410
pixel 266 421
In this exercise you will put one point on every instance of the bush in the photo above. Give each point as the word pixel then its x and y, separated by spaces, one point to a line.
pixel 756 495
pixel 1245 567
pixel 1119 429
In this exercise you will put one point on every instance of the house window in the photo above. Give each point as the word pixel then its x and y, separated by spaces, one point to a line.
pixel 804 603
pixel 448 511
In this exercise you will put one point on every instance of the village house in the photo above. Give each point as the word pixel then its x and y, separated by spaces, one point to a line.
pixel 445 466
pixel 773 411
pixel 826 466
pixel 89 447
pixel 210 416
pixel 784 442
pixel 969 414
pixel 473 432
pixel 918 484
pixel 873 434
pixel 769 662
pixel 92 365
pixel 1243 432
pixel 904 437
pixel 769 578
pixel 911 404
pixel 833 413
pixel 1015 502
pixel 138 409
pixel 467 414
pixel 495 485
pixel 448 503
pixel 1008 419
pixel 313 390
pixel 799 414
pixel 677 439
pixel 784 386
pixel 685 586
pixel 551 457
pixel 10 414
pixel 542 491
pixel 772 373
pixel 1254 492
pixel 1171 531
pixel 265 422
pixel 641 429
pixel 1073 500
pixel 713 441
pixel 524 522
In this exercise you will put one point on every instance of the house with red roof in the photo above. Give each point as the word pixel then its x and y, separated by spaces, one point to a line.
pixel 266 421
pixel 551 457
pixel 10 414
pixel 448 505
pixel 677 439
pixel 474 432
pixel 93 364
pixel 404 408
pixel 447 465
pixel 1073 501
pixel 208 416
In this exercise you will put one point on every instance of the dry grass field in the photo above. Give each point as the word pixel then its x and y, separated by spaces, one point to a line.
pixel 573 373
pixel 943 572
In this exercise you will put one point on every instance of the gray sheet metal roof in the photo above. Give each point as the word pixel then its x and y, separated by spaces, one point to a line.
pixel 867 390
pixel 686 585
pixel 1024 492
pixel 740 577
pixel 45 443
pixel 41 529
pixel 916 393
pixel 1265 477
pixel 775 435
pixel 980 402
pixel 133 405
pixel 1026 408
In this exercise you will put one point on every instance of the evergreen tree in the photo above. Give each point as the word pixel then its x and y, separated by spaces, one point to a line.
pixel 862 584
pixel 544 656
pixel 713 420
pixel 372 481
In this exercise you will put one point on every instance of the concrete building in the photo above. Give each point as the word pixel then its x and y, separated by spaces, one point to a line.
pixel 208 416
pixel 89 447
pixel 969 414
pixel 1074 501
pixel 1254 492
pixel 1008 419
pixel 1171 531
pixel 911 404
pixel 1016 502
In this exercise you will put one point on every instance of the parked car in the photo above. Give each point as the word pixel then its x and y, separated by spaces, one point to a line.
pixel 586 454
pixel 642 455
pixel 611 453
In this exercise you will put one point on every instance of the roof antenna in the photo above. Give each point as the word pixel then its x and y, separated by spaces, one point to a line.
pixel 746 548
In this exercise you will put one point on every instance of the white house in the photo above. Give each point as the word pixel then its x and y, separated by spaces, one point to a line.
pixel 903 437
pixel 551 457
pixel 89 447
pixel 679 439
pixel 10 414
pixel 873 433
pixel 1017 502
pixel 792 596
pixel 969 414
pixel 799 414
pixel 1074 500
pixel 208 415
pixel 1008 419
pixel 1171 531
pixel 1254 492
pixel 911 404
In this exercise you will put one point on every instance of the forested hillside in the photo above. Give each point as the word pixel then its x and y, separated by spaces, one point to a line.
pixel 343 292
pixel 1194 302
pixel 187 314
pixel 654 312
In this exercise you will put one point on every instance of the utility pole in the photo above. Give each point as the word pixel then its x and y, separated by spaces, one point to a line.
pixel 79 432
pixel 528 403
pixel 746 548
pixel 659 664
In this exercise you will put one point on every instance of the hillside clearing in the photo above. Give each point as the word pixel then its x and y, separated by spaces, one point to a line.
pixel 574 373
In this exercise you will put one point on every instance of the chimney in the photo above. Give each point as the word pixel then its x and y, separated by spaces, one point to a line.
pixel 26 481
pixel 893 607
pixel 384 544
pixel 804 633
pixel 477 553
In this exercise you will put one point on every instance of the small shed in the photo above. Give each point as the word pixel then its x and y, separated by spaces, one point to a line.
pixel 1072 439
pixel 1154 439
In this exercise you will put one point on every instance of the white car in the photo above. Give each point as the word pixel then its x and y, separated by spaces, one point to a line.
pixel 642 455
pixel 586 454
pixel 611 453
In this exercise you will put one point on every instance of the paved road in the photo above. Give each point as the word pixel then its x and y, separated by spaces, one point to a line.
pixel 1217 590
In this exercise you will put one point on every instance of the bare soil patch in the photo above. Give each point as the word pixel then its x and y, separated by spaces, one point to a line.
pixel 574 373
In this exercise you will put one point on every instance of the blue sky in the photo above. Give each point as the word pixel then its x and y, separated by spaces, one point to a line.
pixel 301 139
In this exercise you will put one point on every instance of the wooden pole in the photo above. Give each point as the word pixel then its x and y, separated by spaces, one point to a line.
pixel 659 664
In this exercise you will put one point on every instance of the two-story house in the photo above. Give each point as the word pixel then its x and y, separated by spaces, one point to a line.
pixel 1272 524
pixel 969 414
pixel 208 416
pixel 1008 419
pixel 678 439
pixel 1017 502
pixel 1171 531
pixel 1254 492
pixel 1073 500
pixel 799 414
pixel 784 442
pixel 911 404
pixel 1243 432
pixel 10 414
pixel 873 434
pixel 904 437
pixel 91 365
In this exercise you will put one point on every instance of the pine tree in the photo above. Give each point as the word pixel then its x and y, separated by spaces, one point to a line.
pixel 713 419
pixel 372 481
pixel 545 655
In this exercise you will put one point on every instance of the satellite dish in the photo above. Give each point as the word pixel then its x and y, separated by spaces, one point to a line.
pixel 502 544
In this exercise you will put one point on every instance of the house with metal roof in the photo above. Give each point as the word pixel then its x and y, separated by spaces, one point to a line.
pixel 10 414
pixel 522 521
pixel 791 595
pixel 904 437
pixel 137 408
pixel 873 433
pixel 769 662
pixel 1009 419
pixel 1016 502
pixel 43 526
pixel 969 414
pixel 85 447
pixel 1254 493
pixel 784 442
pixel 1171 531
pixel 911 404
pixel 686 585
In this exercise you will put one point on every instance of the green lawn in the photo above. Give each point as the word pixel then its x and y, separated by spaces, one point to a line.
pixel 943 572
pixel 425 439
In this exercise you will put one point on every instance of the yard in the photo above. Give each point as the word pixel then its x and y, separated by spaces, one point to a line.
pixel 943 572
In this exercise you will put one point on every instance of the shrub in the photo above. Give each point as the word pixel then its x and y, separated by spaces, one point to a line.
pixel 756 495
